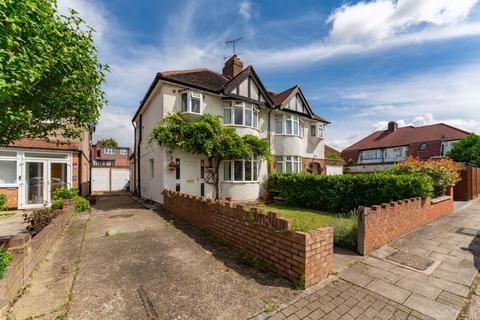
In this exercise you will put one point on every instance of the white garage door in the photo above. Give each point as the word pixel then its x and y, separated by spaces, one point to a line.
pixel 120 179
pixel 100 179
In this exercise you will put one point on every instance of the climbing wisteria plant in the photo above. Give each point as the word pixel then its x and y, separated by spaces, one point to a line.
pixel 207 136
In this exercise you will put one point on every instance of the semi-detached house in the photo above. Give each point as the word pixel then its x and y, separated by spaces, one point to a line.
pixel 237 95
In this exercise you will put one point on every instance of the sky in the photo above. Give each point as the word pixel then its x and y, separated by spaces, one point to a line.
pixel 360 63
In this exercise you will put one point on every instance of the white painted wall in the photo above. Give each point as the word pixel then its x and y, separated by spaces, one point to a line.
pixel 334 170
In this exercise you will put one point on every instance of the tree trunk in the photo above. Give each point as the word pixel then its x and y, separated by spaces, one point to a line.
pixel 216 179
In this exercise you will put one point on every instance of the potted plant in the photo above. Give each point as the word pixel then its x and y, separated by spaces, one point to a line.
pixel 172 165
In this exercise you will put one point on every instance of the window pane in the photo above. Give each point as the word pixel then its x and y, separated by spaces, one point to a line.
pixel 295 167
pixel 295 128
pixel 227 173
pixel 227 116
pixel 238 116
pixel 255 169
pixel 196 105
pixel 238 171
pixel 278 123
pixel 289 166
pixel 248 170
pixel 248 117
pixel 255 119
pixel 184 102
pixel 313 130
pixel 8 171
pixel 278 167
pixel 289 126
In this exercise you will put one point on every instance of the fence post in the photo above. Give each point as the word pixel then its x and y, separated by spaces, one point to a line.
pixel 361 231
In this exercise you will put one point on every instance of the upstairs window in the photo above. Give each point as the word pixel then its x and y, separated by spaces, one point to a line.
pixel 108 150
pixel 240 114
pixel 288 124
pixel 123 151
pixel 191 102
pixel 317 130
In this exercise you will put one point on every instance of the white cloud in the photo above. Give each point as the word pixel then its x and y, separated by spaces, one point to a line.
pixel 115 122
pixel 245 9
pixel 450 96
pixel 378 25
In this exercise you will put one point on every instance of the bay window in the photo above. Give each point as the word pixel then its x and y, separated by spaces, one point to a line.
pixel 191 102
pixel 240 114
pixel 292 126
pixel 241 170
pixel 288 164
pixel 317 130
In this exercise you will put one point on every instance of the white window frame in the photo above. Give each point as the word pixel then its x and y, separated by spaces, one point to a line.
pixel 295 163
pixel 13 158
pixel 295 122
pixel 108 150
pixel 317 130
pixel 123 151
pixel 231 105
pixel 229 168
pixel 191 95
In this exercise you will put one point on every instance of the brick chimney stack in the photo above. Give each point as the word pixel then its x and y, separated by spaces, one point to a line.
pixel 392 126
pixel 232 67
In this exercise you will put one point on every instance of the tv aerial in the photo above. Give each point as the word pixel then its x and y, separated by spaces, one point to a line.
pixel 233 44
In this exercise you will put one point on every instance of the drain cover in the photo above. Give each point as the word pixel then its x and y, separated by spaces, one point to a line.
pixel 468 231
pixel 410 260
pixel 123 215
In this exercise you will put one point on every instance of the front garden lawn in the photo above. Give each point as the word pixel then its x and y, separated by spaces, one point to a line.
pixel 303 219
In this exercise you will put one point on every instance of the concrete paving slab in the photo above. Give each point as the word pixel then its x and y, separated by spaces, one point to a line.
pixel 419 287
pixel 389 291
pixel 431 308
pixel 355 277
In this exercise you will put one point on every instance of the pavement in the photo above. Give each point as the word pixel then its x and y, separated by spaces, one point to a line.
pixel 123 261
pixel 12 224
pixel 429 273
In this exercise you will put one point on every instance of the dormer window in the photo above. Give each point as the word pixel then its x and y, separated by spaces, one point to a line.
pixel 191 102
pixel 240 113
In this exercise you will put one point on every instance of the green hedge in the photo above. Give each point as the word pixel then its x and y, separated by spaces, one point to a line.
pixel 346 192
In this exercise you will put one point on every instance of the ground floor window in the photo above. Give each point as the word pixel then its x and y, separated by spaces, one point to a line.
pixel 8 172
pixel 241 170
pixel 288 164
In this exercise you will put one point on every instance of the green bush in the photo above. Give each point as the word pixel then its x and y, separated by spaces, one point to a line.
pixel 57 204
pixel 38 219
pixel 81 204
pixel 344 193
pixel 5 258
pixel 65 193
pixel 3 201
pixel 345 232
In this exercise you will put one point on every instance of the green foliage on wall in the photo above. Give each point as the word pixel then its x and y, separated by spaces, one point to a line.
pixel 467 150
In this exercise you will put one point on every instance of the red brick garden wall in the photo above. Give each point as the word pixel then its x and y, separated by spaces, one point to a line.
pixel 12 196
pixel 27 253
pixel 268 237
pixel 379 225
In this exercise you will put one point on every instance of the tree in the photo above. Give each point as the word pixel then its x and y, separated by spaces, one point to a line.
pixel 108 142
pixel 467 150
pixel 208 137
pixel 50 76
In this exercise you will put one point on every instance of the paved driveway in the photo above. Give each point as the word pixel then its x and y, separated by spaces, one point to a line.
pixel 138 264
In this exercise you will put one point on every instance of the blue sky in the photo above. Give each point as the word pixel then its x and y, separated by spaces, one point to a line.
pixel 360 63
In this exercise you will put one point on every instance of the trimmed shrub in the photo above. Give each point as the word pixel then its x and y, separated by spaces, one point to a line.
pixel 57 204
pixel 443 172
pixel 65 193
pixel 344 193
pixel 3 201
pixel 38 219
pixel 5 258
pixel 81 204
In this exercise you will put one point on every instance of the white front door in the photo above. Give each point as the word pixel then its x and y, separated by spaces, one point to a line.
pixel 190 177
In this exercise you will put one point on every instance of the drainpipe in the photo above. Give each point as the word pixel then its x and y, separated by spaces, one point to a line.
pixel 269 138
pixel 137 157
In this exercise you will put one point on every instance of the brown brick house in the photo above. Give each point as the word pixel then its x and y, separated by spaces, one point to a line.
pixel 31 169
pixel 104 156
pixel 381 149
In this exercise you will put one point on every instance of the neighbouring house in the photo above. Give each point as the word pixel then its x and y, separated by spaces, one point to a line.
pixel 333 161
pixel 110 168
pixel 31 169
pixel 380 150
pixel 237 95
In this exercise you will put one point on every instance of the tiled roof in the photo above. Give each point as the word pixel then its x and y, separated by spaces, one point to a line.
pixel 330 149
pixel 43 144
pixel 201 78
pixel 407 135
pixel 279 98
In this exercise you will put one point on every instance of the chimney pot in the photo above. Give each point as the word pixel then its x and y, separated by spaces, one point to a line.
pixel 232 67
pixel 392 126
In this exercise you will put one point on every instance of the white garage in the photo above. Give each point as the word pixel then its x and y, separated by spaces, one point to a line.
pixel 110 179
